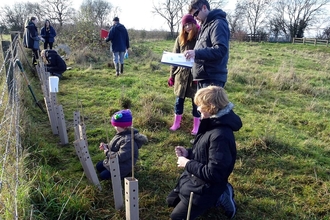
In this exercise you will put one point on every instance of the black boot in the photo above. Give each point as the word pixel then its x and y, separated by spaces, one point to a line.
pixel 117 69
pixel 121 68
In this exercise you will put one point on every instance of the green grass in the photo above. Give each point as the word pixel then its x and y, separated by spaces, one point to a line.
pixel 281 92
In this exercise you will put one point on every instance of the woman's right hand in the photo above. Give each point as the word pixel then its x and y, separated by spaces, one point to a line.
pixel 181 151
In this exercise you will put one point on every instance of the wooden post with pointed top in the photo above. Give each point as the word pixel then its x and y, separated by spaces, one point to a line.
pixel 190 204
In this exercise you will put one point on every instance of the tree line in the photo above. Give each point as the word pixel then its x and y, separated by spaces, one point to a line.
pixel 288 18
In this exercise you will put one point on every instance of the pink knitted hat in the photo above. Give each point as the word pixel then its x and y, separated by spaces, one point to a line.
pixel 188 18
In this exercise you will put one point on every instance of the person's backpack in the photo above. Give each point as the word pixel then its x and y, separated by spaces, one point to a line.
pixel 26 34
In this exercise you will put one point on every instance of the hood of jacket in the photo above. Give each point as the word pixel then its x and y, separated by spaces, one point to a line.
pixel 30 24
pixel 216 14
pixel 225 117
pixel 119 27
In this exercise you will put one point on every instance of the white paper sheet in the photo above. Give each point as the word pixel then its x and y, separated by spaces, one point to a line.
pixel 176 59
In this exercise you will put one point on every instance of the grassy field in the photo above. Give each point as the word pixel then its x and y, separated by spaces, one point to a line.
pixel 281 92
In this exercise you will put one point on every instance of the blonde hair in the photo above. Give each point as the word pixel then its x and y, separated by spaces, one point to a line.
pixel 211 99
pixel 43 55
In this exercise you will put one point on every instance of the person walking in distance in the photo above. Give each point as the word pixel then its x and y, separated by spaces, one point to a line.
pixel 49 34
pixel 211 51
pixel 119 38
pixel 180 77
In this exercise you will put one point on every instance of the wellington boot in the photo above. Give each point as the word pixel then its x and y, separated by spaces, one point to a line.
pixel 176 123
pixel 121 68
pixel 117 69
pixel 196 126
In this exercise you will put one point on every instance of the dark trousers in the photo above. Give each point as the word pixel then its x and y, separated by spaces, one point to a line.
pixel 180 210
pixel 179 106
pixel 104 173
pixel 35 56
pixel 210 82
pixel 48 43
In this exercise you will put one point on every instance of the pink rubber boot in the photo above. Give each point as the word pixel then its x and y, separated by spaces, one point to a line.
pixel 196 126
pixel 176 123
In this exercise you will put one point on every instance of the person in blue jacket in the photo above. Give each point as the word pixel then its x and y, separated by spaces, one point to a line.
pixel 118 36
pixel 48 33
pixel 210 161
pixel 31 39
pixel 211 51
pixel 54 63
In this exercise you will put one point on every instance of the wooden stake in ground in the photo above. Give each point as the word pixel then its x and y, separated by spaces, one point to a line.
pixel 132 190
pixel 190 204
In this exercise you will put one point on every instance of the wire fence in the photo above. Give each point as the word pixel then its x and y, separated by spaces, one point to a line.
pixel 14 177
pixel 10 130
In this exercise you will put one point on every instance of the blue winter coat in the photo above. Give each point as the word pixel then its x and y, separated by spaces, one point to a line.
pixel 212 159
pixel 118 36
pixel 212 48
pixel 48 34
pixel 30 36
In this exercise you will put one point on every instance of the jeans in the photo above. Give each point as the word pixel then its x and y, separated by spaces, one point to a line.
pixel 210 82
pixel 179 106
pixel 118 57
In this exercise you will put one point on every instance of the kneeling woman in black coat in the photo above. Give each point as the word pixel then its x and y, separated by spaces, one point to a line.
pixel 54 63
pixel 208 164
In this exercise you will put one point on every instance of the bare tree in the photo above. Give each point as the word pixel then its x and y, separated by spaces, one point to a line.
pixel 102 9
pixel 96 11
pixel 59 10
pixel 236 18
pixel 325 34
pixel 292 17
pixel 217 3
pixel 256 11
pixel 15 16
pixel 172 11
